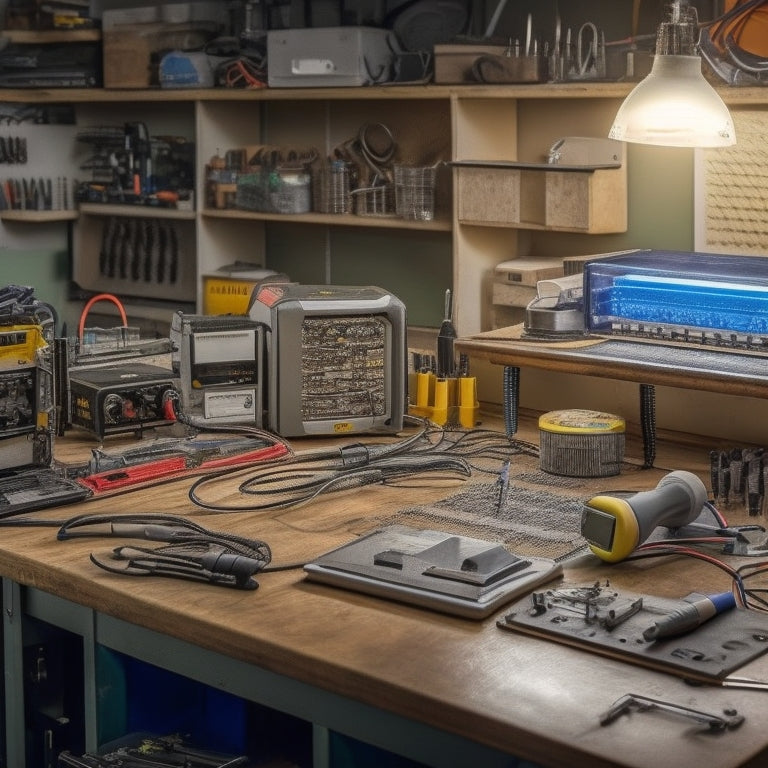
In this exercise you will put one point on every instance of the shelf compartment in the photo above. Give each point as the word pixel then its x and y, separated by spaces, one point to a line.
pixel 152 258
pixel 542 196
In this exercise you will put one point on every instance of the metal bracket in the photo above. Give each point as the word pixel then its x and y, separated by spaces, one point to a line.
pixel 10 600
pixel 730 719
pixel 585 150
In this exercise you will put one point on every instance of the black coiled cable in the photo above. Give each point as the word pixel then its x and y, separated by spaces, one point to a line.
pixel 648 423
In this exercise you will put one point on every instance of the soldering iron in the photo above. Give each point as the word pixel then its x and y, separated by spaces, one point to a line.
pixel 614 526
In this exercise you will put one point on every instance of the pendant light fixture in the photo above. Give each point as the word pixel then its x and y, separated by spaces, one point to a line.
pixel 674 105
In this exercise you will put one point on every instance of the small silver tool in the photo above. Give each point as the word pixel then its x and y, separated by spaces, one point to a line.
pixel 589 63
pixel 728 720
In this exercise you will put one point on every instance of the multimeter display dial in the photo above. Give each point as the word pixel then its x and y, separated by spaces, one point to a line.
pixel 598 528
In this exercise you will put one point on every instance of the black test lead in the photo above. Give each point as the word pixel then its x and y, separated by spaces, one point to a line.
pixel 445 338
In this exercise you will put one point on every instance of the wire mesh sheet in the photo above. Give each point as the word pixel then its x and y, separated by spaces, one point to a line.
pixel 531 512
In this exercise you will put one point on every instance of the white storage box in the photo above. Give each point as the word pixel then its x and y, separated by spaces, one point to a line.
pixel 329 56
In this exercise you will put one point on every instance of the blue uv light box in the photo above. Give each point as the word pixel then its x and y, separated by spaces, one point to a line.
pixel 710 298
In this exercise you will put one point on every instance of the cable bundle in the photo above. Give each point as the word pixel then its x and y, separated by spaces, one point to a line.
pixel 433 453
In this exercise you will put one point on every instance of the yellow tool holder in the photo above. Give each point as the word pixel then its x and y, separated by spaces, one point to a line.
pixel 444 401
pixel 19 344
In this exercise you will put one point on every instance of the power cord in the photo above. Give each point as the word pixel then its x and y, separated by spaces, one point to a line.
pixel 430 452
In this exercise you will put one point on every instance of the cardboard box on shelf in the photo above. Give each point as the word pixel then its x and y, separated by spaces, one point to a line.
pixel 454 61
pixel 528 271
pixel 130 51
pixel 133 38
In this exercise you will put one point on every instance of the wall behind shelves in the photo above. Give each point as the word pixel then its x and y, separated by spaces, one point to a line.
pixel 36 254
pixel 46 270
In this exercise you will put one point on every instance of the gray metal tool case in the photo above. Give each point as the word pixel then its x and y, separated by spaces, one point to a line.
pixel 329 56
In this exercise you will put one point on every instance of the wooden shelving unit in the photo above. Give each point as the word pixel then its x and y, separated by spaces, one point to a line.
pixel 516 123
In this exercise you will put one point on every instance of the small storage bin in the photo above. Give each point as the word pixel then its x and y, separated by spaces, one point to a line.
pixel 375 201
pixel 331 187
pixel 415 192
pixel 292 193
pixel 274 191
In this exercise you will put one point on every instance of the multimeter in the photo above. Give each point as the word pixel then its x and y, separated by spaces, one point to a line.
pixel 614 526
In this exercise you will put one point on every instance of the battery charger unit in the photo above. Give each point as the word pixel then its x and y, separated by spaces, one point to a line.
pixel 336 358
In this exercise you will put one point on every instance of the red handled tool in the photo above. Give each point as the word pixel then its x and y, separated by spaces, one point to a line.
pixel 123 478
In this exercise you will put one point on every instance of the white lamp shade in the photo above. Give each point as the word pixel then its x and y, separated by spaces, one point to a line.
pixel 674 106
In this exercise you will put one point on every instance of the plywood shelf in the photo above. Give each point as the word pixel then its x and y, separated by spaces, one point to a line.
pixel 36 217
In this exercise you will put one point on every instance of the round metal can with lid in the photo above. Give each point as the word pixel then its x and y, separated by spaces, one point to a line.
pixel 581 443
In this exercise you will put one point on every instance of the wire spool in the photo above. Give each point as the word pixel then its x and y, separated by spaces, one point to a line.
pixel 581 443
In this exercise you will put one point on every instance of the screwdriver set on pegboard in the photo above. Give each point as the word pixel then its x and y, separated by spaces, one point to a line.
pixel 13 150
pixel 139 250
pixel 142 256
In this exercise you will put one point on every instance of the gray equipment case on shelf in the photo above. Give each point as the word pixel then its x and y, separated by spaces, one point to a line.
pixel 329 56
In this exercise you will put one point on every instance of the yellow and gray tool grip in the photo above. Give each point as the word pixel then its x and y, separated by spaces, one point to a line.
pixel 614 526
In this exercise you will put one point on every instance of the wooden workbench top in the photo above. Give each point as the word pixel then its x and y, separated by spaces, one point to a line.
pixel 535 699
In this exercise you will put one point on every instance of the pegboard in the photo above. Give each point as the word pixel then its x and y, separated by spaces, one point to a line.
pixel 49 156
pixel 731 190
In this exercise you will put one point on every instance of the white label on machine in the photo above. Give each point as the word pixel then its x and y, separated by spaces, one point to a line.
pixel 311 66
pixel 237 404
pixel 223 346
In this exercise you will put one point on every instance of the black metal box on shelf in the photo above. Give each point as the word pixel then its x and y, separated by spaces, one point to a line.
pixel 117 399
